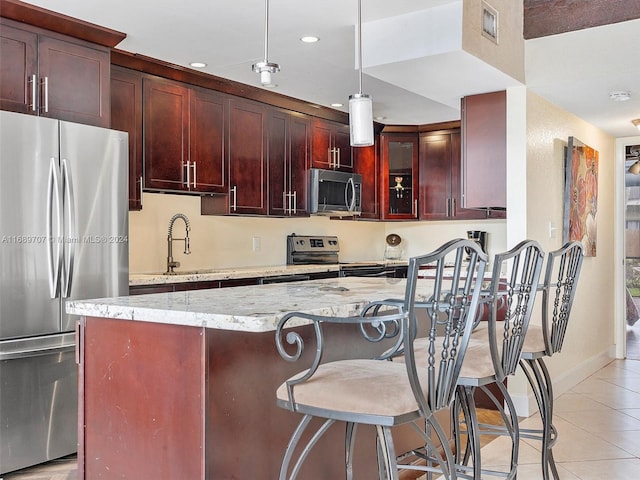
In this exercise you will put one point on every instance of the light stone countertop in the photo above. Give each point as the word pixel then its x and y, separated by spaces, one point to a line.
pixel 250 308
pixel 206 274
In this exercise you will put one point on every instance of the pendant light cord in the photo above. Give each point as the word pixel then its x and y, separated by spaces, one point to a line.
pixel 359 46
pixel 266 30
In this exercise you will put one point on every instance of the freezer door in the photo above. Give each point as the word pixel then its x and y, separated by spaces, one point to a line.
pixel 94 166
pixel 29 181
pixel 38 400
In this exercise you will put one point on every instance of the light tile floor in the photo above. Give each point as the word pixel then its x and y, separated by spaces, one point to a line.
pixel 598 425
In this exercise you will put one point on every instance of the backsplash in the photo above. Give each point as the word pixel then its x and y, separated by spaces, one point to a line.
pixel 228 241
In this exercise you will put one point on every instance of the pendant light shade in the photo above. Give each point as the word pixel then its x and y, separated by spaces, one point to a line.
pixel 265 68
pixel 360 104
pixel 361 120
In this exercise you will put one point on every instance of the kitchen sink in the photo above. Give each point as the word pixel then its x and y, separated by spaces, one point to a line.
pixel 199 271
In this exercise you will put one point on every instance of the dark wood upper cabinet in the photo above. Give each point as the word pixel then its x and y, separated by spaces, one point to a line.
pixel 53 75
pixel 247 157
pixel 207 145
pixel 289 145
pixel 366 162
pixel 331 148
pixel 18 69
pixel 184 137
pixel 440 193
pixel 484 151
pixel 126 115
pixel 399 177
pixel 166 135
pixel 299 160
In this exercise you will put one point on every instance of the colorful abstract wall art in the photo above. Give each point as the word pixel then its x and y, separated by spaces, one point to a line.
pixel 581 195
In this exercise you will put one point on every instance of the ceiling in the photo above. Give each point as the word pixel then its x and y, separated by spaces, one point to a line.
pixel 575 70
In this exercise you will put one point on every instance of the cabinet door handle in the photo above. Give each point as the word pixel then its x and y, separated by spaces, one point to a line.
pixel 194 175
pixel 295 202
pixel 337 161
pixel 45 88
pixel 415 206
pixel 234 191
pixel 453 207
pixel 186 165
pixel 140 191
pixel 330 156
pixel 286 201
pixel 34 92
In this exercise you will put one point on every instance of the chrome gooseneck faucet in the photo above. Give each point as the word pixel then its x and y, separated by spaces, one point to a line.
pixel 171 264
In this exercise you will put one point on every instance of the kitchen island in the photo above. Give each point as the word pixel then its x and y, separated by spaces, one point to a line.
pixel 182 384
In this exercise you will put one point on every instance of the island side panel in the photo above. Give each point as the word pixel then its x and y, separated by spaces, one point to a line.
pixel 142 387
pixel 247 433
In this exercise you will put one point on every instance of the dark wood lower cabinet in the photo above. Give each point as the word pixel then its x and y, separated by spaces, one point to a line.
pixel 165 401
pixel 184 286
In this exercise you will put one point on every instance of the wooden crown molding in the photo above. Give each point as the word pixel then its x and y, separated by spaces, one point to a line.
pixel 56 22
pixel 179 73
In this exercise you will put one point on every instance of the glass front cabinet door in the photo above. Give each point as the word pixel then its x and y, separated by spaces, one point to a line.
pixel 399 176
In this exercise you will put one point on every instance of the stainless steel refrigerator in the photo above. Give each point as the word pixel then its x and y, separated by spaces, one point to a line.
pixel 63 235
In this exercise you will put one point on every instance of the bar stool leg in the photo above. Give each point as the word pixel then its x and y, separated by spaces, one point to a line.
pixel 538 376
pixel 350 437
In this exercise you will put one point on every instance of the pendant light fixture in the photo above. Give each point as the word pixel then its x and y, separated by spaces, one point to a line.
pixel 266 68
pixel 360 104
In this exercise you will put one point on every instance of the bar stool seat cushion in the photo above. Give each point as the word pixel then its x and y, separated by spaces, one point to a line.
pixel 533 341
pixel 477 360
pixel 359 386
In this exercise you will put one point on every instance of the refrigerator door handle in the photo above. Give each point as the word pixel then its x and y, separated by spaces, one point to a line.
pixel 54 258
pixel 70 232
pixel 44 350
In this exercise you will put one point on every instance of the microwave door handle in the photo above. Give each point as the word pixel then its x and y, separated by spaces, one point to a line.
pixel 350 204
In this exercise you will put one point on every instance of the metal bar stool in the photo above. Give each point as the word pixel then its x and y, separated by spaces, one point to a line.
pixel 493 355
pixel 384 393
pixel 558 292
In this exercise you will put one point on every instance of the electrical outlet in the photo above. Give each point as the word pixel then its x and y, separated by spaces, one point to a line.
pixel 256 244
pixel 552 230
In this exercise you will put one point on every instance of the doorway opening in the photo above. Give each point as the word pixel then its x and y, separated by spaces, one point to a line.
pixel 632 250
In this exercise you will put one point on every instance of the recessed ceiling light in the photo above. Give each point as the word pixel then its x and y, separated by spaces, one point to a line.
pixel 198 64
pixel 309 39
pixel 381 118
pixel 337 105
pixel 620 96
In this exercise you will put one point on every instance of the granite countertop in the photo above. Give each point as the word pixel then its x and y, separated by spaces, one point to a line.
pixel 249 308
pixel 207 274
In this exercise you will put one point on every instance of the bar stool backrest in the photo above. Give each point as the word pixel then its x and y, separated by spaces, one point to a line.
pixel 559 288
pixel 442 308
pixel 511 299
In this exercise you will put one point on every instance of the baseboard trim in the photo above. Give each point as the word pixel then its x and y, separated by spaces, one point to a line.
pixel 526 404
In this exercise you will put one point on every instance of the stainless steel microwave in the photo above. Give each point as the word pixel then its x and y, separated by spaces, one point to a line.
pixel 335 193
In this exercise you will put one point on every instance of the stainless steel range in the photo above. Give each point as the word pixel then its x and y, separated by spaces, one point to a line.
pixel 324 249
pixel 312 250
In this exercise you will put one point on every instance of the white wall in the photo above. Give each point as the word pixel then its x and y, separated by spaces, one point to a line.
pixel 590 338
